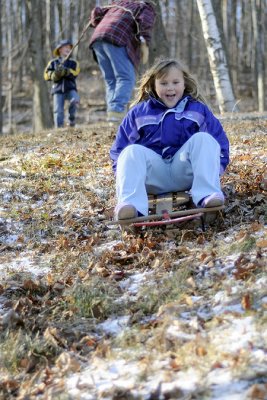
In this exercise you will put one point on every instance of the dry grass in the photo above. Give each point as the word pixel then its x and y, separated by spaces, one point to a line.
pixel 57 190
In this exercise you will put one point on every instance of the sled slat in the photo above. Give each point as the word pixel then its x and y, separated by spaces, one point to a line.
pixel 164 203
pixel 172 215
pixel 168 221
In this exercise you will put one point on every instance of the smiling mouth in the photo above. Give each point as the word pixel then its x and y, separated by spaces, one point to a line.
pixel 170 96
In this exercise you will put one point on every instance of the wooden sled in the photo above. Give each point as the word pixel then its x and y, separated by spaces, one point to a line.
pixel 167 209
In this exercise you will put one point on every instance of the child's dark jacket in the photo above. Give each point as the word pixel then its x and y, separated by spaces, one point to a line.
pixel 66 83
pixel 151 124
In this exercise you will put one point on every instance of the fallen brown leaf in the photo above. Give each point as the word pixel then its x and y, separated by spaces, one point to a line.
pixel 246 302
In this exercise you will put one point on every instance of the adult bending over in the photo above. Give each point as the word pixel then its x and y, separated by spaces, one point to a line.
pixel 122 31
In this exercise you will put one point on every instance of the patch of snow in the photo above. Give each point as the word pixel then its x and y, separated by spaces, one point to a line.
pixel 175 332
pixel 114 326
pixel 8 196
pixel 225 387
pixel 108 246
pixel 133 283
pixel 260 355
pixel 103 376
pixel 219 376
pixel 24 264
pixel 219 296
pixel 228 239
pixel 9 226
pixel 188 380
pixel 2 301
pixel 100 192
pixel 196 299
pixel 222 298
pixel 262 282
pixel 170 245
pixel 11 239
pixel 234 308
pixel 10 171
pixel 39 203
pixel 237 334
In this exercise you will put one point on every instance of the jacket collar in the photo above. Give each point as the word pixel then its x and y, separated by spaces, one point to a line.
pixel 157 116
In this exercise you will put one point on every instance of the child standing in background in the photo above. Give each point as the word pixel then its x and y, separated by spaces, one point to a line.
pixel 63 71
pixel 169 141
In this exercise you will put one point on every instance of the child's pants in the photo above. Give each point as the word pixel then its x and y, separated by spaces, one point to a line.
pixel 195 167
pixel 59 101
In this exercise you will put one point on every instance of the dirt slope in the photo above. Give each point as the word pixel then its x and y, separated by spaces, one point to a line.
pixel 88 313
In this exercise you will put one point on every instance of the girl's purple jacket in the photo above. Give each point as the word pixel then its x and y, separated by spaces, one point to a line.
pixel 151 124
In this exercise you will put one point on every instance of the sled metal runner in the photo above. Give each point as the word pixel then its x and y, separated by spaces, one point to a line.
pixel 161 212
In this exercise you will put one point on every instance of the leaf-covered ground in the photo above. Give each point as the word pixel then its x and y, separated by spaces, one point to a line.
pixel 89 313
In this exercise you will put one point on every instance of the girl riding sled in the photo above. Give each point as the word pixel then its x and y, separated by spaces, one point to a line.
pixel 169 141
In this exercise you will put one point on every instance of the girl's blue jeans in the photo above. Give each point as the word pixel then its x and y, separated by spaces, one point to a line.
pixel 195 167
pixel 118 73
pixel 59 102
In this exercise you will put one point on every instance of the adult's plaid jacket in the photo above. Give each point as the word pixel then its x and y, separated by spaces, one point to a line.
pixel 123 23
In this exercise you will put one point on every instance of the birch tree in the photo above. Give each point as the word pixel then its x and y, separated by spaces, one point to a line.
pixel 217 59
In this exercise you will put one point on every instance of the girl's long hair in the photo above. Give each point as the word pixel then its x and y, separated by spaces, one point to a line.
pixel 146 87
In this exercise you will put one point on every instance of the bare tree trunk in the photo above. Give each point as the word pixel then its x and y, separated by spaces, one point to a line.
pixel 225 19
pixel 257 36
pixel 159 45
pixel 71 23
pixel 1 102
pixel 169 19
pixel 9 69
pixel 19 85
pixel 217 59
pixel 42 116
pixel 52 34
pixel 47 27
pixel 60 16
pixel 190 51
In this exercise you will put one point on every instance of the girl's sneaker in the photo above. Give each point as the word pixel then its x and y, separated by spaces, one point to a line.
pixel 125 211
pixel 213 200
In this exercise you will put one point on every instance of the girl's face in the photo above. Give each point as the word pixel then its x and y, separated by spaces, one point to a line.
pixel 170 87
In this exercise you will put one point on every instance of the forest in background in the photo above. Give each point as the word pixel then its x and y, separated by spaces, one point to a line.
pixel 30 29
